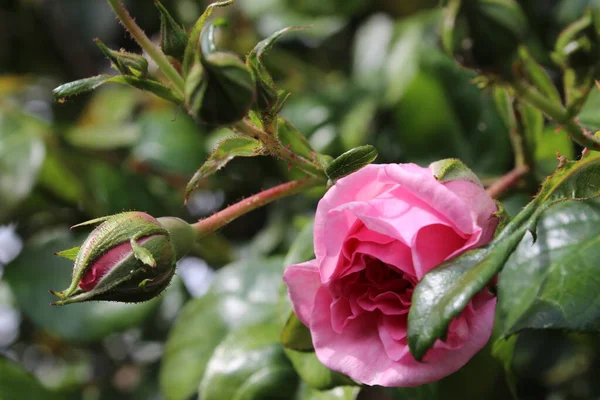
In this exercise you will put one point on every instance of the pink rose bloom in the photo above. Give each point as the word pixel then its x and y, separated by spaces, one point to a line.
pixel 377 232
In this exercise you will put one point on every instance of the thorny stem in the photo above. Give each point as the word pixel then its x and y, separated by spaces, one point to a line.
pixel 558 113
pixel 218 220
pixel 154 52
pixel 276 149
pixel 507 181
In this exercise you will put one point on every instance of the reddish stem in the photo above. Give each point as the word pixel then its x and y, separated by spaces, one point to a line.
pixel 507 181
pixel 223 217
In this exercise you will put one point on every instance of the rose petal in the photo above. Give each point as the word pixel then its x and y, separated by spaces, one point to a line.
pixel 421 183
pixel 359 352
pixel 481 206
pixel 432 245
pixel 392 333
pixel 303 282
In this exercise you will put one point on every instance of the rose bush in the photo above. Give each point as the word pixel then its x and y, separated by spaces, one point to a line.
pixel 377 232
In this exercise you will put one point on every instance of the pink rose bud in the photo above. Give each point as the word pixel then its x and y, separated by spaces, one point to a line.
pixel 130 257
pixel 377 232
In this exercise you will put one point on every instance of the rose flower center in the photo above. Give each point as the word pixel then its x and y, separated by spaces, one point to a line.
pixel 377 288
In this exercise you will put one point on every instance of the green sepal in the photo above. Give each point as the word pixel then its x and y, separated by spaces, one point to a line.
pixel 350 161
pixel 295 335
pixel 452 169
pixel 503 217
pixel 220 89
pixel 194 37
pixel 173 37
pixel 124 62
pixel 69 254
pixel 181 234
pixel 267 96
pixel 140 252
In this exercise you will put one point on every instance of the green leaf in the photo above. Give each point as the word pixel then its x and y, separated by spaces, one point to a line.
pixel 351 161
pixel 69 254
pixel 37 270
pixel 315 374
pixel 445 291
pixel 226 151
pixel 339 393
pixel 249 364
pixel 291 137
pixel 551 283
pixel 169 143
pixel 22 153
pixel 295 335
pixel 204 322
pixel 301 249
pixel 18 384
pixel 89 84
pixel 357 123
pixel 103 136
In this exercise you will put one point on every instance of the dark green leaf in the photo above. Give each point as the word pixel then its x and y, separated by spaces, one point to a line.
pixel 18 384
pixel 205 321
pixel 552 283
pixel 295 335
pixel 443 293
pixel 226 151
pixel 37 270
pixel 351 161
pixel 249 364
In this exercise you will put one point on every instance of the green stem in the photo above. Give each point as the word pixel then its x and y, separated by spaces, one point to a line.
pixel 278 150
pixel 224 217
pixel 145 43
pixel 556 112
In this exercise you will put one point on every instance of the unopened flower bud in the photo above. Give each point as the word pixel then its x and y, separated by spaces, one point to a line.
pixel 129 257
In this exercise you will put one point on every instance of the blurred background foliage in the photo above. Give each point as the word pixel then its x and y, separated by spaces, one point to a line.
pixel 366 72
